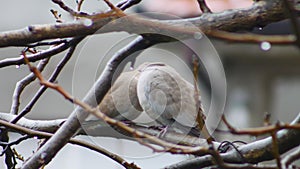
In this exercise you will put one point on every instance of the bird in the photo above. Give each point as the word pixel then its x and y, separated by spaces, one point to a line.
pixel 121 101
pixel 159 91
pixel 170 100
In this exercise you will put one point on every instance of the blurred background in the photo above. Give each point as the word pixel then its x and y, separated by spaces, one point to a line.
pixel 261 78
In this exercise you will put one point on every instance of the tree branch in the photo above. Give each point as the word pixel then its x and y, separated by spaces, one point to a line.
pixel 95 129
pixel 259 14
pixel 49 126
pixel 40 55
pixel 203 6
pixel 43 134
pixel 20 86
pixel 52 78
pixel 254 152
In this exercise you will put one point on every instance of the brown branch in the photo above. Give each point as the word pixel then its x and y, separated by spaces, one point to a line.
pixel 20 86
pixel 252 38
pixel 291 157
pixel 95 129
pixel 40 55
pixel 68 9
pixel 123 5
pixel 203 6
pixel 258 130
pixel 118 11
pixel 52 78
pixel 47 43
pixel 41 134
pixel 56 16
pixel 255 152
pixel 49 126
pixel 275 149
pixel 261 13
pixel 79 5
pixel 294 20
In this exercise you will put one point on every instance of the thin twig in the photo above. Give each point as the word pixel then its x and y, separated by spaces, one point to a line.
pixel 294 19
pixel 200 112
pixel 203 6
pixel 276 149
pixel 53 42
pixel 18 156
pixel 79 5
pixel 40 55
pixel 259 130
pixel 20 86
pixel 52 78
pixel 291 157
pixel 18 141
pixel 251 38
pixel 68 9
pixel 123 5
pixel 56 16
pixel 118 11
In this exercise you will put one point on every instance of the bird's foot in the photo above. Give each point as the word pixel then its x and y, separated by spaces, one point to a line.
pixel 162 130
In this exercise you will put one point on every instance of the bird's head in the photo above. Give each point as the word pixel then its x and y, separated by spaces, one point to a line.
pixel 146 65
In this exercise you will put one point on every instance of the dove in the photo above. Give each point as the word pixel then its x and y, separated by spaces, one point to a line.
pixel 157 90
pixel 170 100
pixel 121 101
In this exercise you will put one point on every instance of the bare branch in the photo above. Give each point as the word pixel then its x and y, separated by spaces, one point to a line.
pixel 123 5
pixel 40 134
pixel 203 6
pixel 79 5
pixel 294 19
pixel 255 152
pixel 291 157
pixel 68 9
pixel 40 125
pixel 259 130
pixel 252 38
pixel 52 78
pixel 40 55
pixel 20 86
pixel 95 129
pixel 261 13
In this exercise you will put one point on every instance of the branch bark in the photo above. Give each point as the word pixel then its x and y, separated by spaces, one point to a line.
pixel 260 14
pixel 96 129
pixel 40 125
pixel 255 152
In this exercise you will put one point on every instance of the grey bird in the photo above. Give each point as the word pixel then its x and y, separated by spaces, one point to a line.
pixel 159 91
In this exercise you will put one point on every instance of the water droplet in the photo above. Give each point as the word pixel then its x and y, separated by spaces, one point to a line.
pixel 198 35
pixel 265 46
pixel 260 28
pixel 87 22
pixel 17 66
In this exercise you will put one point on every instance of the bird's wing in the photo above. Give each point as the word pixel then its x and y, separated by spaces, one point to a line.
pixel 166 96
pixel 121 100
